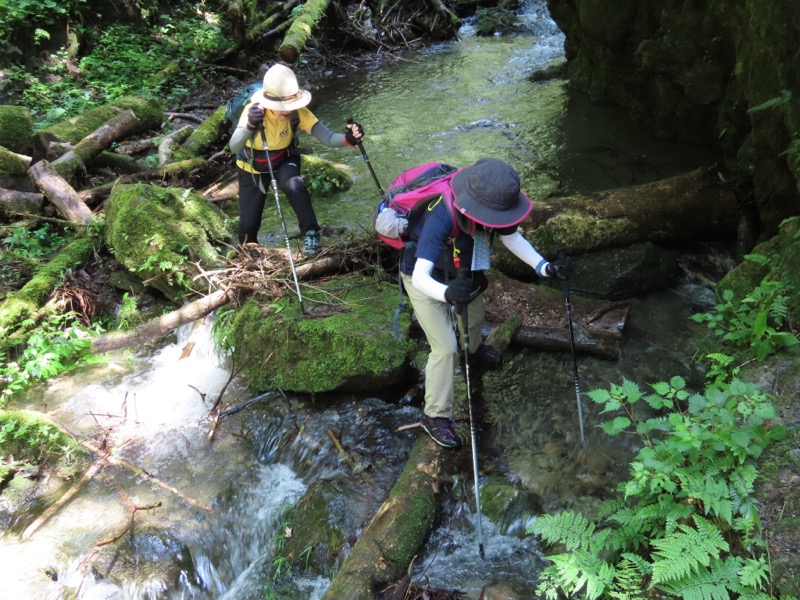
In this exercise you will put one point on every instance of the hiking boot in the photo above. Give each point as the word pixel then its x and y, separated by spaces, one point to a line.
pixel 487 356
pixel 311 243
pixel 441 431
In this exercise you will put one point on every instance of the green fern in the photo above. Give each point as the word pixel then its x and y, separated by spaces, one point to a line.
pixel 628 582
pixel 714 583
pixel 571 529
pixel 686 551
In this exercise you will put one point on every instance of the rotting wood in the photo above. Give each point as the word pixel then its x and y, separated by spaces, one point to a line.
pixel 60 193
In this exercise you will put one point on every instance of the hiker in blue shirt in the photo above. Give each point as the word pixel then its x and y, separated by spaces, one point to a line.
pixel 266 132
pixel 439 272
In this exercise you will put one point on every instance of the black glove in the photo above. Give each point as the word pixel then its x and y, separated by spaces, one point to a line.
pixel 349 134
pixel 255 116
pixel 461 291
pixel 562 267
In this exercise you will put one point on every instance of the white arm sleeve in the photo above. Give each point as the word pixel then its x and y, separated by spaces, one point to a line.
pixel 238 139
pixel 522 249
pixel 422 280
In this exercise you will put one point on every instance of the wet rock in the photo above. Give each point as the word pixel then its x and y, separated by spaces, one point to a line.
pixel 625 272
pixel 508 505
pixel 104 591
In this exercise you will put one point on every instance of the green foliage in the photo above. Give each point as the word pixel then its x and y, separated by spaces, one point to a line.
pixel 23 13
pixel 58 344
pixel 124 59
pixel 784 98
pixel 685 524
pixel 33 244
pixel 32 440
pixel 754 323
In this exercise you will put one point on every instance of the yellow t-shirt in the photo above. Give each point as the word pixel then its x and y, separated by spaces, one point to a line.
pixel 278 129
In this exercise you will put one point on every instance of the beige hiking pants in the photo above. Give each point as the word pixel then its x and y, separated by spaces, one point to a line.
pixel 436 319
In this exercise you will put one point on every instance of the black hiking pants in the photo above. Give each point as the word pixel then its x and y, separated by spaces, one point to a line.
pixel 252 199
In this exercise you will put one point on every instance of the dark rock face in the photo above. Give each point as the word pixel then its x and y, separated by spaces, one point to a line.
pixel 714 72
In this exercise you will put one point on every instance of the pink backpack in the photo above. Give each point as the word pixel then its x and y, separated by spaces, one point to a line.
pixel 411 192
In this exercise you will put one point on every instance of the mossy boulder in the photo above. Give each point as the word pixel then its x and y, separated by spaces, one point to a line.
pixel 149 112
pixel 783 252
pixel 324 177
pixel 348 347
pixel 16 128
pixel 158 233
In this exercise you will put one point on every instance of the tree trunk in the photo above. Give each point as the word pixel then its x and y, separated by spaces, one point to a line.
pixel 694 204
pixel 60 193
pixel 394 535
pixel 162 325
pixel 101 138
pixel 15 202
pixel 302 29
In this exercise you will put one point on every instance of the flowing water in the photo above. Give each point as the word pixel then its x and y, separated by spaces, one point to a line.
pixel 223 496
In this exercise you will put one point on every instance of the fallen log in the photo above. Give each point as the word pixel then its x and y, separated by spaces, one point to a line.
pixel 16 202
pixel 60 193
pixel 156 328
pixel 539 314
pixel 121 126
pixel 393 536
pixel 167 146
pixel 692 205
pixel 302 29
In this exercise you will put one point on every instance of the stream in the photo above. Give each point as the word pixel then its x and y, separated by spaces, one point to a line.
pixel 224 488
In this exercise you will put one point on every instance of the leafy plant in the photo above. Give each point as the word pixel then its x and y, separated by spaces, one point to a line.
pixel 33 243
pixel 58 344
pixel 685 524
pixel 754 323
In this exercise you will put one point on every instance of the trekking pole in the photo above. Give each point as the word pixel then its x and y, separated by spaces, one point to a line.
pixel 360 145
pixel 283 221
pixel 473 437
pixel 568 304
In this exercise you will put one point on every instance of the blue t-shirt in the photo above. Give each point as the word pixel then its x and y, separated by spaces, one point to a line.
pixel 432 240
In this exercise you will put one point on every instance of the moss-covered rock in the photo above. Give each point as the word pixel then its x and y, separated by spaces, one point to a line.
pixel 351 347
pixel 158 233
pixel 509 506
pixel 16 128
pixel 783 252
pixel 147 110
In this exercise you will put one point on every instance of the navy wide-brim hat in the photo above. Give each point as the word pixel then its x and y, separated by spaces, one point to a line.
pixel 488 193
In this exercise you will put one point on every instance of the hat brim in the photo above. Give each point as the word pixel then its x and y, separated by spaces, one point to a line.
pixel 300 102
pixel 468 206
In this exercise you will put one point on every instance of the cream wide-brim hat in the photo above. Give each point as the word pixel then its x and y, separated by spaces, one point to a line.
pixel 280 91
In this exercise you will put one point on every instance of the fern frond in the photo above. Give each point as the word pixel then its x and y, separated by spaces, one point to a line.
pixel 686 551
pixel 580 569
pixel 714 583
pixel 571 529
pixel 628 584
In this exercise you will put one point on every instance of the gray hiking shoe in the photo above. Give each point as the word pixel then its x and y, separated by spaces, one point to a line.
pixel 311 243
pixel 441 431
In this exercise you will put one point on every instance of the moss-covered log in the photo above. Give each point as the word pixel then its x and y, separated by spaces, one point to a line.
pixel 394 535
pixel 302 29
pixel 120 126
pixel 12 164
pixel 204 138
pixel 148 111
pixel 13 202
pixel 694 204
pixel 24 303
